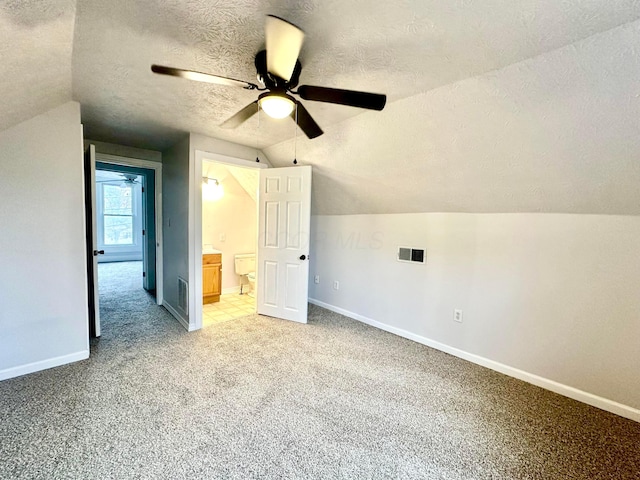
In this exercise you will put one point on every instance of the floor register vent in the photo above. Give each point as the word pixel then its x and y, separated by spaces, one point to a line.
pixel 183 295
pixel 413 255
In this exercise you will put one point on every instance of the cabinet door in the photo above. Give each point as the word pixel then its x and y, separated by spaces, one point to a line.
pixel 217 279
pixel 210 280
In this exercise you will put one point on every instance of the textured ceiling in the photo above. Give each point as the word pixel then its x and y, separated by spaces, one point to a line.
pixel 36 42
pixel 493 106
pixel 400 48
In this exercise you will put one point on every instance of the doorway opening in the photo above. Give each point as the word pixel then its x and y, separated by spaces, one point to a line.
pixel 125 218
pixel 123 234
pixel 282 251
pixel 229 240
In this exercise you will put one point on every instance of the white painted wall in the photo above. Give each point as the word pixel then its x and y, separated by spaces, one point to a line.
pixel 554 295
pixel 233 216
pixel 43 285
pixel 175 228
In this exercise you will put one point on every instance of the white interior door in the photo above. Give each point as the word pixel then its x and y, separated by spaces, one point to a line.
pixel 284 199
pixel 92 240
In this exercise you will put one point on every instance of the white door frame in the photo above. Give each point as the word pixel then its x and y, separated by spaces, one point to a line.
pixel 195 228
pixel 157 168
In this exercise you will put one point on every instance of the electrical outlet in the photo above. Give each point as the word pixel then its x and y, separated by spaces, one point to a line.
pixel 316 279
pixel 457 315
pixel 336 285
pixel 223 237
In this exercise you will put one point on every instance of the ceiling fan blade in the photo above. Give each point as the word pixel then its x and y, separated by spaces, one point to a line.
pixel 202 77
pixel 283 42
pixel 306 122
pixel 242 116
pixel 372 101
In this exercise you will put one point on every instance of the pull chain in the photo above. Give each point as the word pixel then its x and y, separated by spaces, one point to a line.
pixel 257 135
pixel 295 139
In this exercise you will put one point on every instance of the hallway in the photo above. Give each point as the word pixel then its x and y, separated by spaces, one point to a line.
pixel 127 311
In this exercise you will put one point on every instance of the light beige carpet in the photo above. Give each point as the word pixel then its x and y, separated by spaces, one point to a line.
pixel 266 398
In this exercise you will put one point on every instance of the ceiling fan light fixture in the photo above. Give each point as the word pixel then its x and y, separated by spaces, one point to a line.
pixel 276 104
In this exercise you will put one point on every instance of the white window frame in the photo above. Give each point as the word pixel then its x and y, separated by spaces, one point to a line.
pixel 136 207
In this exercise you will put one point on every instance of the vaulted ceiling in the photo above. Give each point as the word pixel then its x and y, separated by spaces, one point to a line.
pixel 494 106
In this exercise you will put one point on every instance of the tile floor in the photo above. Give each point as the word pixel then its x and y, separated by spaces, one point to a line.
pixel 230 306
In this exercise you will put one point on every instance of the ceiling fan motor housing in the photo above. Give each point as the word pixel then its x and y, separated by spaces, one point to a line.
pixel 271 81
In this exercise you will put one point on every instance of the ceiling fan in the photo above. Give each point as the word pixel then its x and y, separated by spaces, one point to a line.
pixel 128 179
pixel 278 72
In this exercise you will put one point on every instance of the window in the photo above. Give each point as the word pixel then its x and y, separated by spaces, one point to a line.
pixel 119 217
pixel 118 211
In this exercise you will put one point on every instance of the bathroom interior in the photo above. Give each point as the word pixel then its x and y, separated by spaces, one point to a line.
pixel 229 241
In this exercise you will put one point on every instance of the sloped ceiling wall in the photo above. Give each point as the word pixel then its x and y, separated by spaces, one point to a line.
pixel 556 133
pixel 494 106
pixel 247 178
pixel 36 42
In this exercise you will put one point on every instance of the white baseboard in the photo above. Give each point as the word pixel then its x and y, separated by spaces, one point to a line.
pixel 43 365
pixel 571 392
pixel 183 321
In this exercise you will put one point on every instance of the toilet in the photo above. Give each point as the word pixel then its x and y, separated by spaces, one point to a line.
pixel 252 283
pixel 246 267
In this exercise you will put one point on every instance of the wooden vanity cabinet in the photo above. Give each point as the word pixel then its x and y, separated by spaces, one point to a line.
pixel 211 277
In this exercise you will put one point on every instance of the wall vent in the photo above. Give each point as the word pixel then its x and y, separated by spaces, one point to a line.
pixel 412 255
pixel 183 295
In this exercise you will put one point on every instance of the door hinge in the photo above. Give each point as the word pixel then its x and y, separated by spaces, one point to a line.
pixel 142 189
pixel 143 231
pixel 144 274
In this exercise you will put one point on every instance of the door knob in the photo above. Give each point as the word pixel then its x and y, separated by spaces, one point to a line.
pixel 98 252
pixel 303 257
